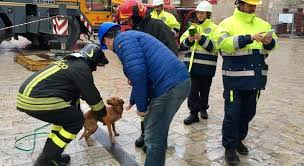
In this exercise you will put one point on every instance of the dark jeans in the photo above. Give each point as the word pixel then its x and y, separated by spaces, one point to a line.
pixel 199 94
pixel 161 112
pixel 240 108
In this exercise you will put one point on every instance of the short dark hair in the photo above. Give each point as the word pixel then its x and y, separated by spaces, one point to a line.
pixel 112 32
pixel 239 2
pixel 209 14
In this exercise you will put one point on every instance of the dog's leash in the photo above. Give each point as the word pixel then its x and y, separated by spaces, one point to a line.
pixel 29 135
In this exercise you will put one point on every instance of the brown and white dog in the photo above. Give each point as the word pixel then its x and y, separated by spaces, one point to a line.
pixel 114 112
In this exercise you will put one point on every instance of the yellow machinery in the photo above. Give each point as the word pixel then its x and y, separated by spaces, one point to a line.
pixel 84 17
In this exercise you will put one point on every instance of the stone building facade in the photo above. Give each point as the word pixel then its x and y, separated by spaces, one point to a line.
pixel 268 11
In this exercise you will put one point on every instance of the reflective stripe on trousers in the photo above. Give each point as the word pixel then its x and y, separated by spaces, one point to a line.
pixel 232 98
pixel 245 73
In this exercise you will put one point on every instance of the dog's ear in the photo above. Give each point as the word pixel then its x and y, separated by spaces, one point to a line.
pixel 120 101
pixel 111 102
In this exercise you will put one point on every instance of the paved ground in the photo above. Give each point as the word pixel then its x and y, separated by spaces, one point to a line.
pixel 276 135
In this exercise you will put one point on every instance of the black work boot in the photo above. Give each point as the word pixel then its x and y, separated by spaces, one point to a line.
pixel 204 114
pixel 65 158
pixel 191 119
pixel 52 155
pixel 145 148
pixel 140 141
pixel 43 160
pixel 231 157
pixel 242 149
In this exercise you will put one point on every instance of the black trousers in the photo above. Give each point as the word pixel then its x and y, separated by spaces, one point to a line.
pixel 199 93
pixel 240 108
pixel 66 124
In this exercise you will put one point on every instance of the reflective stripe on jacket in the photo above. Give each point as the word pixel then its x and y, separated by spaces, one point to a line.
pixel 58 86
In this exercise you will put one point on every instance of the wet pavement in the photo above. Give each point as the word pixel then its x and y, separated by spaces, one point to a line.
pixel 276 135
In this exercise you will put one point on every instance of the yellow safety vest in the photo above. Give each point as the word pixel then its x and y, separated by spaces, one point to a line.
pixel 168 18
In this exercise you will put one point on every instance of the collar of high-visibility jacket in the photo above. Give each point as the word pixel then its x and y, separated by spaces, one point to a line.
pixel 246 17
pixel 207 21
pixel 203 24
pixel 161 13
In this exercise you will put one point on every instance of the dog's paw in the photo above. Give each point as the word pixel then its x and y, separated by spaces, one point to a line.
pixel 90 143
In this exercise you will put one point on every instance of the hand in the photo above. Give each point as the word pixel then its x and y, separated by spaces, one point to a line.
pixel 129 82
pixel 191 39
pixel 266 40
pixel 197 37
pixel 257 37
pixel 129 106
pixel 142 114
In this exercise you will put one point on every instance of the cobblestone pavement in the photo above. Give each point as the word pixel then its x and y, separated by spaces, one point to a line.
pixel 276 135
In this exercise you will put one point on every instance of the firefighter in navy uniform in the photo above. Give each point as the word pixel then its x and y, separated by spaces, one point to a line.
pixel 245 42
pixel 204 61
pixel 53 95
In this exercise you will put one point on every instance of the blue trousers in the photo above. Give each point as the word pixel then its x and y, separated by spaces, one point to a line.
pixel 161 112
pixel 199 93
pixel 240 108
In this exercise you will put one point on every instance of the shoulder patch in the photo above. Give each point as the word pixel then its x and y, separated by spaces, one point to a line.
pixel 207 30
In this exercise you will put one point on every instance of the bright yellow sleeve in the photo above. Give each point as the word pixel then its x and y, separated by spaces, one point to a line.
pixel 172 22
pixel 223 40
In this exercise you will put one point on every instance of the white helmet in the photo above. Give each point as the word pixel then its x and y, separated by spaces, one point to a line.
pixel 158 2
pixel 204 6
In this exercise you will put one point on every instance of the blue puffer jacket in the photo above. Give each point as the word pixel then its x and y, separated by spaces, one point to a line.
pixel 152 68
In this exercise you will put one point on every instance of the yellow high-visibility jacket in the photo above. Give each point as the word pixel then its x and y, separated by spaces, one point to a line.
pixel 205 52
pixel 168 18
pixel 244 66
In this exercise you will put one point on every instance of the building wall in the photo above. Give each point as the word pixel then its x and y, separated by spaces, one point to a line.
pixel 222 10
pixel 268 11
pixel 276 7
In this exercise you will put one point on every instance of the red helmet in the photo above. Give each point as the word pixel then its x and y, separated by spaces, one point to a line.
pixel 127 10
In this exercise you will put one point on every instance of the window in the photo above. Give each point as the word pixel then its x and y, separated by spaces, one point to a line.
pixel 98 5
